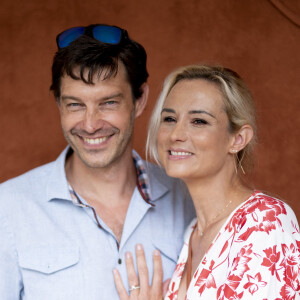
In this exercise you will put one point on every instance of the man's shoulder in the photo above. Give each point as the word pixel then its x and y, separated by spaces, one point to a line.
pixel 28 179
pixel 35 178
pixel 160 182
pixel 158 174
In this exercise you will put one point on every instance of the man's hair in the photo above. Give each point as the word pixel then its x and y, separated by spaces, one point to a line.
pixel 87 57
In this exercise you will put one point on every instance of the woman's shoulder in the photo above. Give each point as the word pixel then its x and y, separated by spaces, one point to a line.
pixel 267 215
pixel 270 207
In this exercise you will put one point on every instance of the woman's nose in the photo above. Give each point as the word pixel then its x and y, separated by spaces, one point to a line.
pixel 179 132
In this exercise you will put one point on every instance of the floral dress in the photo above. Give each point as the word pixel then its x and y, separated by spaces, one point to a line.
pixel 256 255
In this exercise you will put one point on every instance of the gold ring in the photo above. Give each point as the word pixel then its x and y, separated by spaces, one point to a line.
pixel 134 287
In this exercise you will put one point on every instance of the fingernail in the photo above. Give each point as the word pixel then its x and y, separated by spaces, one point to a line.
pixel 128 255
pixel 156 252
pixel 139 247
pixel 115 271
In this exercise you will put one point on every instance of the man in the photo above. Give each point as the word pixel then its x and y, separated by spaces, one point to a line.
pixel 66 225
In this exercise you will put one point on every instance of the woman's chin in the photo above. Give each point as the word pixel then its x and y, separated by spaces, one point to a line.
pixel 175 173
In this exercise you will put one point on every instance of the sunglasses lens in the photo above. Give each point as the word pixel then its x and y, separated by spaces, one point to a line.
pixel 107 34
pixel 68 36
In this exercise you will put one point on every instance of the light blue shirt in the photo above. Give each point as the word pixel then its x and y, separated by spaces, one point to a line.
pixel 52 249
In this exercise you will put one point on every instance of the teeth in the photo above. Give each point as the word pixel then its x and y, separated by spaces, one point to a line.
pixel 95 141
pixel 180 153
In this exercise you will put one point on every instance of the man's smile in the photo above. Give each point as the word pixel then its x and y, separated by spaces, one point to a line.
pixel 94 141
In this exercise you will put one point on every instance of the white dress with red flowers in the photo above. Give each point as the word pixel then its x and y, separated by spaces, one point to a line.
pixel 256 255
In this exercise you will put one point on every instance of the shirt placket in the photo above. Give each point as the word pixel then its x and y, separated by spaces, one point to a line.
pixel 142 186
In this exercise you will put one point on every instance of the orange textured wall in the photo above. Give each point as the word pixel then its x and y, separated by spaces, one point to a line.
pixel 252 37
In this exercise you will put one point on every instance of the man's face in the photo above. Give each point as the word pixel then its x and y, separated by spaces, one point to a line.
pixel 97 120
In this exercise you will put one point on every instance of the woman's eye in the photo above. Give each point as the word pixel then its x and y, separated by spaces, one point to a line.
pixel 168 119
pixel 199 122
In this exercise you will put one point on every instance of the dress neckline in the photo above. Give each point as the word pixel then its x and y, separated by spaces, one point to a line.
pixel 194 225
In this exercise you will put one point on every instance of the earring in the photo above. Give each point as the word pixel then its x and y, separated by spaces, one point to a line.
pixel 240 162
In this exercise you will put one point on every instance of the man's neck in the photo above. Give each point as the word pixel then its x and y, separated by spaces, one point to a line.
pixel 110 186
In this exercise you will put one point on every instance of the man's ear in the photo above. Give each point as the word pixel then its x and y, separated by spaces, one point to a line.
pixel 141 102
pixel 241 138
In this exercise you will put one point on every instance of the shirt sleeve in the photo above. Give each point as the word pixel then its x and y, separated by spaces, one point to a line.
pixel 10 277
pixel 265 257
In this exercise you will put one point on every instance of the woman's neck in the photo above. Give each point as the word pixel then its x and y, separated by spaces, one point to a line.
pixel 215 198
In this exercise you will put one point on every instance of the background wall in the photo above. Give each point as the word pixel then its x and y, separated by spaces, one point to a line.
pixel 253 37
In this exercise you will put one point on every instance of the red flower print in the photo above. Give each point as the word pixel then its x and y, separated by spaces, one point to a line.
pixel 254 283
pixel 267 226
pixel 236 296
pixel 206 279
pixel 172 294
pixel 245 236
pixel 237 221
pixel 239 268
pixel 179 269
pixel 296 229
pixel 228 289
pixel 271 259
pixel 272 208
pixel 288 293
pixel 240 263
pixel 291 255
pixel 290 263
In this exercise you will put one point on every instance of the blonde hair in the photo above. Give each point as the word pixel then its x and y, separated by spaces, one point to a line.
pixel 238 104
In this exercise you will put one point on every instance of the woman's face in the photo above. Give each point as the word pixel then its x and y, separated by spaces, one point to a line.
pixel 193 137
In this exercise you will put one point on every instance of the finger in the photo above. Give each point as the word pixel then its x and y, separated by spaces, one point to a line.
pixel 156 290
pixel 142 269
pixel 131 274
pixel 119 285
pixel 166 286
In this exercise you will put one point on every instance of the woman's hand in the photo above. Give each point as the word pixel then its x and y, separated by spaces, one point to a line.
pixel 139 284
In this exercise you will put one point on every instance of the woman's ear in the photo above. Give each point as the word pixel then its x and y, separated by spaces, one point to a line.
pixel 241 138
pixel 141 102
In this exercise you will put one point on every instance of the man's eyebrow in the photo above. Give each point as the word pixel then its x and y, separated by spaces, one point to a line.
pixel 117 95
pixel 69 97
pixel 65 97
pixel 201 112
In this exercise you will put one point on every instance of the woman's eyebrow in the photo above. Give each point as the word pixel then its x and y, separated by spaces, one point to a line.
pixel 201 112
pixel 169 110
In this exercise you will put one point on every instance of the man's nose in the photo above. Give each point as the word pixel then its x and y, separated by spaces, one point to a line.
pixel 92 120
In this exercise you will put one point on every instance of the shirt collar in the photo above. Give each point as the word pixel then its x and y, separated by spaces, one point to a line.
pixel 63 191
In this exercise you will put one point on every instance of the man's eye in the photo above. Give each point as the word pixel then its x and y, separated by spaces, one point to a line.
pixel 74 106
pixel 110 102
pixel 199 122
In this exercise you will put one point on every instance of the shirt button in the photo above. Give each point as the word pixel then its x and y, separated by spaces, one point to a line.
pixel 119 261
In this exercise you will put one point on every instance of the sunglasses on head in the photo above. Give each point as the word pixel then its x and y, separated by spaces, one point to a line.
pixel 104 33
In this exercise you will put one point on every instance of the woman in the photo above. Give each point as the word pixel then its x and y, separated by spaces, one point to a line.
pixel 243 244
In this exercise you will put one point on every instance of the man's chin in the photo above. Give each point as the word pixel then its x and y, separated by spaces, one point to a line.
pixel 95 163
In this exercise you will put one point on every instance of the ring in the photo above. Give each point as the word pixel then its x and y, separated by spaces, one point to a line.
pixel 134 287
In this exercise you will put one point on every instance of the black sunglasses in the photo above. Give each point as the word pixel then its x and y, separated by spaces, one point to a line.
pixel 103 33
